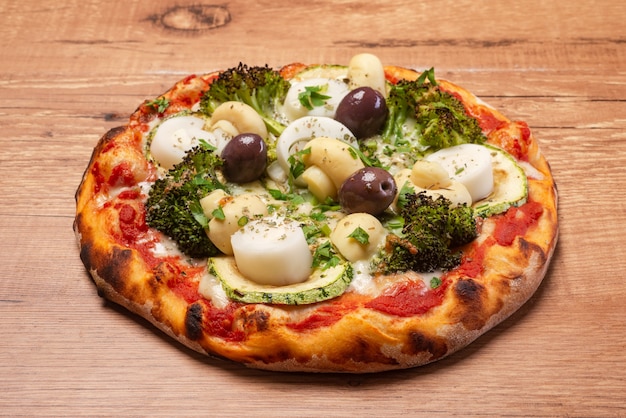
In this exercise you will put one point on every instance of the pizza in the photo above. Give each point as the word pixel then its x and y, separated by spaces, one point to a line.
pixel 318 218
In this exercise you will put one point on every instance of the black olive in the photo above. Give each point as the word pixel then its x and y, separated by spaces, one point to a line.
pixel 363 111
pixel 370 190
pixel 245 158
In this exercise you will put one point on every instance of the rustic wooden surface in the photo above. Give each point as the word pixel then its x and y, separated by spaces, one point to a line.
pixel 71 70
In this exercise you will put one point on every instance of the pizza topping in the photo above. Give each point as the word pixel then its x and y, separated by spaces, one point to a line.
pixel 429 175
pixel 325 315
pixel 470 164
pixel 423 118
pixel 369 190
pixel 211 289
pixel 409 298
pixel 510 185
pixel 231 214
pixel 314 97
pixel 261 88
pixel 516 221
pixel 363 111
pixel 245 158
pixel 272 251
pixel 366 70
pixel 423 174
pixel 333 157
pixel 433 228
pixel 319 184
pixel 131 222
pixel 322 284
pixel 358 236
pixel 174 137
pixel 241 116
pixel 173 205
pixel 301 131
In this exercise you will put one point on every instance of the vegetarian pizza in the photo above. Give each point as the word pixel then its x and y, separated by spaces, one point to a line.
pixel 319 218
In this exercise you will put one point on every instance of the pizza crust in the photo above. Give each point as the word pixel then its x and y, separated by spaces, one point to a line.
pixel 363 340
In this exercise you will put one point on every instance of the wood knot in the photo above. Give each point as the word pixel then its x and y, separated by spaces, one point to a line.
pixel 194 18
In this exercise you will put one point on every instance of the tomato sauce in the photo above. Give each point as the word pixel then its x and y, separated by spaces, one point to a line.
pixel 122 174
pixel 409 298
pixel 473 260
pixel 219 322
pixel 132 222
pixel 182 286
pixel 516 221
pixel 326 315
pixel 487 121
pixel 98 177
pixel 289 71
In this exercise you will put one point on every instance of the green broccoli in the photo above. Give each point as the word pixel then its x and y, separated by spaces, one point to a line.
pixel 432 230
pixel 173 205
pixel 261 88
pixel 421 112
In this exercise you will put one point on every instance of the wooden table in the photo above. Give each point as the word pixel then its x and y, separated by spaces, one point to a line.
pixel 71 70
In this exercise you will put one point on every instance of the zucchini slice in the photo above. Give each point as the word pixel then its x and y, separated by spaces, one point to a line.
pixel 321 285
pixel 510 185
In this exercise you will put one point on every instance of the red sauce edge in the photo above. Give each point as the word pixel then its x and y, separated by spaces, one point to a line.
pixel 326 315
pixel 409 298
pixel 516 222
pixel 122 174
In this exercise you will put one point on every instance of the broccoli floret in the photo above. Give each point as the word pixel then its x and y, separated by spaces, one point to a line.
pixel 173 205
pixel 436 119
pixel 261 88
pixel 431 232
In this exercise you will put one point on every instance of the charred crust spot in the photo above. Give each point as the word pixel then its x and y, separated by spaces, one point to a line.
pixel 282 355
pixel 468 290
pixel 419 342
pixel 193 322
pixel 528 248
pixel 362 350
pixel 112 134
pixel 163 272
pixel 471 308
pixel 85 255
pixel 115 267
pixel 258 320
pixel 252 320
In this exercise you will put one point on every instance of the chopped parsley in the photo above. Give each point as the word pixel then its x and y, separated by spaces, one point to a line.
pixel 435 282
pixel 219 213
pixel 160 104
pixel 325 256
pixel 360 236
pixel 313 96
pixel 296 163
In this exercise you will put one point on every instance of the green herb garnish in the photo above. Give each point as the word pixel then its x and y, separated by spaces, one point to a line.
pixel 160 104
pixel 313 96
pixel 435 282
pixel 325 256
pixel 360 236
pixel 219 213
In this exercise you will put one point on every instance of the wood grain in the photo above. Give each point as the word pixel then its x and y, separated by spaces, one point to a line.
pixel 72 70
